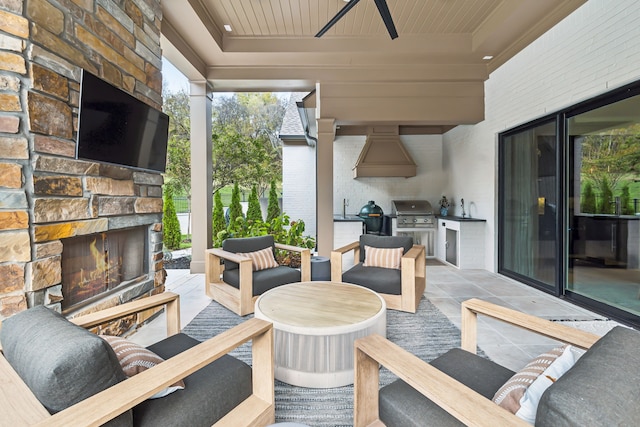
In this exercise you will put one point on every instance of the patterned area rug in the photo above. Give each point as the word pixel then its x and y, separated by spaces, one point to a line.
pixel 427 334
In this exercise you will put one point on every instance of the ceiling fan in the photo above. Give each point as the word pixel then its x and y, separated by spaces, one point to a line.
pixel 382 8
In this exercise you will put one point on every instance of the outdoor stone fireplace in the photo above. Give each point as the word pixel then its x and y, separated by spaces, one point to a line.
pixel 76 236
pixel 99 264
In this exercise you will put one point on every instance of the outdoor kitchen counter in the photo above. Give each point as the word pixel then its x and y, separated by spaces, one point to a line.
pixel 347 218
pixel 459 218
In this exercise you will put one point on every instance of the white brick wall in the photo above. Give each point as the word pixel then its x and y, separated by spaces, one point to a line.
pixel 299 185
pixel 426 151
pixel 595 49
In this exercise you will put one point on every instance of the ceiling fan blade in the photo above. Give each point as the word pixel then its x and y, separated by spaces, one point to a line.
pixel 386 17
pixel 338 16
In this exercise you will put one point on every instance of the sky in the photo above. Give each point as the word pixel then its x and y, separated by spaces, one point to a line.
pixel 173 79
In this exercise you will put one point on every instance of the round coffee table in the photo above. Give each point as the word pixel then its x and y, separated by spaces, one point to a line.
pixel 315 325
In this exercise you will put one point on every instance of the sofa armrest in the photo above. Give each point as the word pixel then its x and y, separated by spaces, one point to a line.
pixel 213 266
pixel 19 406
pixel 460 401
pixel 258 409
pixel 305 259
pixel 170 300
pixel 472 307
pixel 336 259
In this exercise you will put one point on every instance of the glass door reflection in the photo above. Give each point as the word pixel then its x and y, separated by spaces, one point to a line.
pixel 603 211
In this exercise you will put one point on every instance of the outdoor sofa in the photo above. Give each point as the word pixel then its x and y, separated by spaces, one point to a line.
pixel 53 372
pixel 600 389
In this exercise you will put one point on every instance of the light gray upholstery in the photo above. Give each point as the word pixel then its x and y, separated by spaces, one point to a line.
pixel 64 364
pixel 61 363
pixel 402 406
pixel 602 388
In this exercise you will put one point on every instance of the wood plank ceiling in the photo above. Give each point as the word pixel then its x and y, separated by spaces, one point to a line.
pixel 271 43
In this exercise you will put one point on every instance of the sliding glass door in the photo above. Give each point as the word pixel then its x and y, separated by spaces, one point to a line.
pixel 569 204
pixel 604 216
pixel 529 208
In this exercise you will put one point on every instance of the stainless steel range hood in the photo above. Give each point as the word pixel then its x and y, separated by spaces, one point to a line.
pixel 384 155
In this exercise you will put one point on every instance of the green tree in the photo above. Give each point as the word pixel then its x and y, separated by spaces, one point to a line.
pixel 613 155
pixel 273 207
pixel 625 201
pixel 218 223
pixel 170 224
pixel 254 213
pixel 246 130
pixel 178 172
pixel 235 208
pixel 588 199
pixel 606 196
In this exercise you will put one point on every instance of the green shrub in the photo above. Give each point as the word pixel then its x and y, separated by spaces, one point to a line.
pixel 588 199
pixel 218 223
pixel 273 207
pixel 606 197
pixel 235 208
pixel 170 223
pixel 254 213
pixel 625 201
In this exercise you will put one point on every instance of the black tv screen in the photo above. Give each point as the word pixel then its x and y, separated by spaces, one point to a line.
pixel 115 127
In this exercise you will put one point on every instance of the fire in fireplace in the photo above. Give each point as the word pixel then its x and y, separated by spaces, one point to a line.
pixel 97 264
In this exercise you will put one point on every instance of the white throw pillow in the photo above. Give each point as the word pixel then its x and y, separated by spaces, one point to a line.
pixel 529 402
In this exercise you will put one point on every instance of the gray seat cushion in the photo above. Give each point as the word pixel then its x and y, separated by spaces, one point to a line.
pixel 402 406
pixel 601 389
pixel 244 245
pixel 61 363
pixel 381 280
pixel 209 393
pixel 264 280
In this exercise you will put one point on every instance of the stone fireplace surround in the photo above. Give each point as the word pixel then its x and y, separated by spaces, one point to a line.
pixel 46 195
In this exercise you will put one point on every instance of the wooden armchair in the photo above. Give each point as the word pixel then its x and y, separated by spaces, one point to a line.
pixel 401 289
pixel 231 280
pixel 595 391
pixel 20 406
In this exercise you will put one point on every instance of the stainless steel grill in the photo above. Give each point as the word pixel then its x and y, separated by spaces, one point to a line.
pixel 413 214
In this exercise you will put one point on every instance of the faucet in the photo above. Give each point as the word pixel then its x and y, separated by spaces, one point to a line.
pixel 462 206
pixel 345 203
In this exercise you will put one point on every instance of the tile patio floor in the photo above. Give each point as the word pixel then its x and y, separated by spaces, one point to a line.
pixel 446 287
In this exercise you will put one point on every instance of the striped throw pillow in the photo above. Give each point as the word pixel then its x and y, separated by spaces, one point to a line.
pixel 508 396
pixel 134 359
pixel 262 259
pixel 382 257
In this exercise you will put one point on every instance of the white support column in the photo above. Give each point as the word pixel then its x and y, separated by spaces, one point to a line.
pixel 324 183
pixel 201 174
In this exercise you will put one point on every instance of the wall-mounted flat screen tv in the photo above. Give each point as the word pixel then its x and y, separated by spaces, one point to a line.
pixel 115 127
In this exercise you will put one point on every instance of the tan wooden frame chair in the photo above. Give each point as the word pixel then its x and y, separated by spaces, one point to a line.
pixel 460 401
pixel 413 272
pixel 19 407
pixel 241 300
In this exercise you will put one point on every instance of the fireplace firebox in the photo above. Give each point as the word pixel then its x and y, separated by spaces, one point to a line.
pixel 96 265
